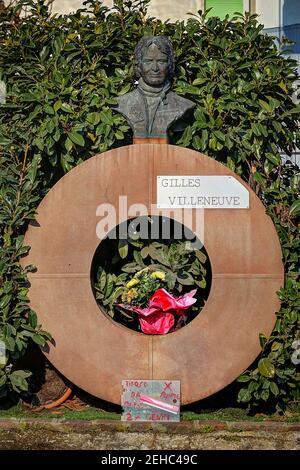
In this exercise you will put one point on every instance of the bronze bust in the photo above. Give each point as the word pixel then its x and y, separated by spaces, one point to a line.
pixel 152 108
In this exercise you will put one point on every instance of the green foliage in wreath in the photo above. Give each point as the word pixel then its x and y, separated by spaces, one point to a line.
pixel 135 269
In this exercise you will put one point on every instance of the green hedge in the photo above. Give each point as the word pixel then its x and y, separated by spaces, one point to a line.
pixel 63 74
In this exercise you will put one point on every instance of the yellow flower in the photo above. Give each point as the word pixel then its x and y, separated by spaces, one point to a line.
pixel 159 275
pixel 131 294
pixel 132 282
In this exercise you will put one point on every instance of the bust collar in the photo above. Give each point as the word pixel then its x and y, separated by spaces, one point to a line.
pixel 150 91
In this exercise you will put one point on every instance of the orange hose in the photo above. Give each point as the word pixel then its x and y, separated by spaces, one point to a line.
pixel 62 399
pixel 57 402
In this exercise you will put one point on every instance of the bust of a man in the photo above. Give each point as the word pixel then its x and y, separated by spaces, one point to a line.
pixel 152 108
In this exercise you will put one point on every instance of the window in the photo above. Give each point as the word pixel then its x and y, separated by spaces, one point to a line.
pixel 222 8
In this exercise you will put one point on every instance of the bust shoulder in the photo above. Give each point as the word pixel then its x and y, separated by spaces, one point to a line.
pixel 127 98
pixel 180 102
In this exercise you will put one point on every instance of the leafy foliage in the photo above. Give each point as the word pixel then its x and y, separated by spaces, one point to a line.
pixel 63 74
pixel 276 378
pixel 171 264
pixel 18 323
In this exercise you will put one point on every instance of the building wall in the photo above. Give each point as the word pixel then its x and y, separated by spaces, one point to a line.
pixel 268 11
pixel 174 9
pixel 164 9
pixel 278 12
pixel 282 18
pixel 66 6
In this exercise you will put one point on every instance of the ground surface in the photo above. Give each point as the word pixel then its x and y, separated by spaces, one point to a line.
pixel 45 434
pixel 76 425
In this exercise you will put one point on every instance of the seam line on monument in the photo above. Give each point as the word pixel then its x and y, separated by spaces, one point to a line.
pixel 59 275
pixel 215 275
pixel 247 276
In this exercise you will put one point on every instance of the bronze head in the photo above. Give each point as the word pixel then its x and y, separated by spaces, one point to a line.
pixel 154 60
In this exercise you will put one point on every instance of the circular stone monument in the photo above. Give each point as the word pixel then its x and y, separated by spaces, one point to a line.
pixel 96 353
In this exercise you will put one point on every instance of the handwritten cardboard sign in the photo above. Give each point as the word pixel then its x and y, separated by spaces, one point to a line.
pixel 151 400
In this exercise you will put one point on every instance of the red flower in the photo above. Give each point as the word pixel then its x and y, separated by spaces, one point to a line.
pixel 162 299
pixel 157 318
pixel 158 323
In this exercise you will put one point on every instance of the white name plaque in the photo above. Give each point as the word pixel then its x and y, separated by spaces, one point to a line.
pixel 201 192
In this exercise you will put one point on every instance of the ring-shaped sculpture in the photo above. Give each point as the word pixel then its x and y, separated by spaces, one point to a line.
pixel 96 353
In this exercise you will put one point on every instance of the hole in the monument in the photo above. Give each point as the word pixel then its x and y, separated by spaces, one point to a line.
pixel 151 274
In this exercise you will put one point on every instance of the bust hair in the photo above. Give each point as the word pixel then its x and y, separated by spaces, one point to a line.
pixel 163 43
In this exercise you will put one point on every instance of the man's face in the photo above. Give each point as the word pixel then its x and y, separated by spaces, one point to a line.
pixel 154 66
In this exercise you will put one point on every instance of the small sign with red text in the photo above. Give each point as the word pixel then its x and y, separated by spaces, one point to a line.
pixel 151 400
